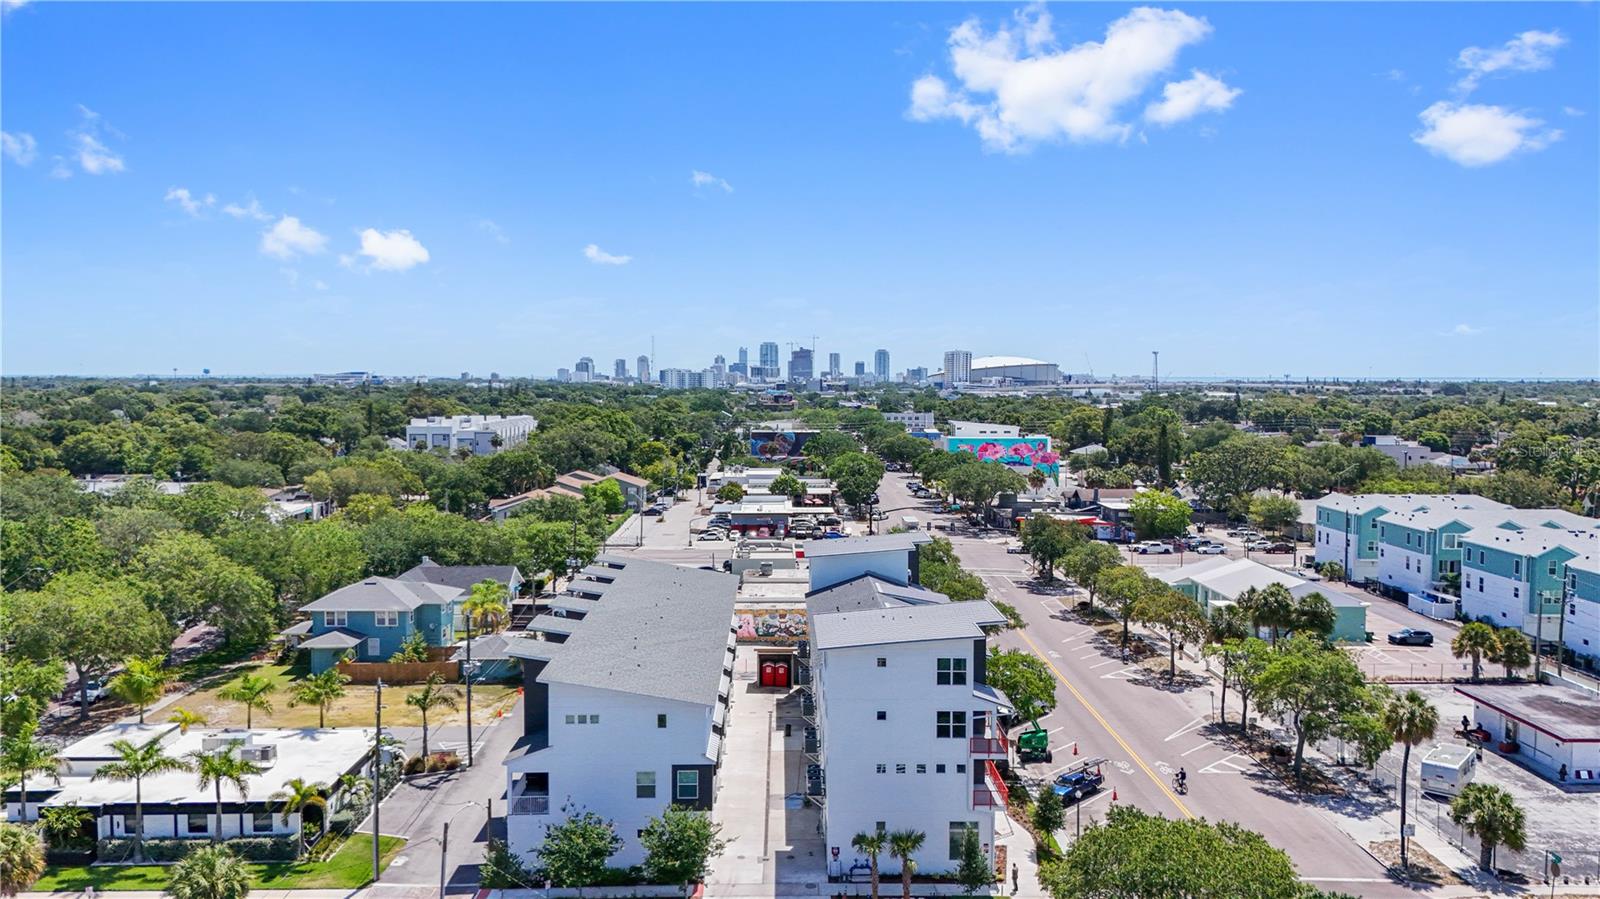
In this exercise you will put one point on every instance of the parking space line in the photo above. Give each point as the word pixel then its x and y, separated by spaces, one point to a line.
pixel 1196 749
pixel 1197 722
pixel 1103 664
pixel 1122 673
pixel 1227 765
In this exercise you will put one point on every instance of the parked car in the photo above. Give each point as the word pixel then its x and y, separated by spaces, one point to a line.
pixel 1259 546
pixel 1210 549
pixel 1083 780
pixel 1411 636
pixel 1015 550
pixel 1153 548
pixel 710 536
pixel 1281 547
pixel 653 510
pixel 832 521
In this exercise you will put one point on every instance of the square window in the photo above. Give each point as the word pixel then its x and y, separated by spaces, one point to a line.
pixel 688 785
pixel 594 719
pixel 950 725
pixel 572 719
pixel 196 822
pixel 883 768
pixel 951 672
pixel 335 619
pixel 922 769
pixel 900 769
pixel 881 826
pixel 938 769
pixel 883 662
pixel 388 618
pixel 961 768
pixel 644 785
pixel 661 721
pixel 583 719
pixel 261 822
pixel 882 715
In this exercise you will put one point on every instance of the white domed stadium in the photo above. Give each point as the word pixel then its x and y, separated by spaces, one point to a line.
pixel 1015 369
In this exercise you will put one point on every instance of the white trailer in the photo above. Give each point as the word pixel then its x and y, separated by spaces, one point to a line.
pixel 910 522
pixel 1446 769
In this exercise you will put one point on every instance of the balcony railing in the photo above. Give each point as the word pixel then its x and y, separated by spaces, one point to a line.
pixel 996 746
pixel 530 805
pixel 992 793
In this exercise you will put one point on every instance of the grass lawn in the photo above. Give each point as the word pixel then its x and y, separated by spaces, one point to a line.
pixel 353 710
pixel 349 868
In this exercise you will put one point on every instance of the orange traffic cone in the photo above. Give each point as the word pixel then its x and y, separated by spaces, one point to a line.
pixel 1113 794
pixel 1074 747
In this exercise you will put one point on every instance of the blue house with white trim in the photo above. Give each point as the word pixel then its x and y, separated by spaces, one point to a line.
pixel 375 616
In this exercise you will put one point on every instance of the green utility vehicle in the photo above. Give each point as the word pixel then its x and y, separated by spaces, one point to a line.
pixel 1033 745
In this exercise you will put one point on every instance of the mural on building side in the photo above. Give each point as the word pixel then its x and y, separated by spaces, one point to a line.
pixel 1019 452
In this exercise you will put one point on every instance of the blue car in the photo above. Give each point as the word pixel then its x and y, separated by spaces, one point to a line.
pixel 1084 778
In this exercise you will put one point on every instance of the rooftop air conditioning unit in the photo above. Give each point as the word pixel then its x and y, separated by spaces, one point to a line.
pixel 766 569
pixel 265 755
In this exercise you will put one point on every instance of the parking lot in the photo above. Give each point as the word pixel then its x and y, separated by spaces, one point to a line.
pixel 1379 660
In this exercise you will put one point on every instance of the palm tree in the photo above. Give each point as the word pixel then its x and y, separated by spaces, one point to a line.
pixel 321 690
pixel 486 604
pixel 135 763
pixel 23 756
pixel 185 719
pixel 871 844
pixel 1477 640
pixel 431 696
pixel 1410 720
pixel 64 825
pixel 1225 629
pixel 1490 814
pixel 1036 479
pixel 1271 607
pixel 141 683
pixel 21 858
pixel 211 872
pixel 1512 650
pixel 254 691
pixel 296 795
pixel 902 845
pixel 213 769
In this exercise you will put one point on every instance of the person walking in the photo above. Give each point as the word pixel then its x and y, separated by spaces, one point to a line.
pixel 1016 879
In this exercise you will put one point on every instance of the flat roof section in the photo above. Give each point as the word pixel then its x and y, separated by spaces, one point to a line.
pixel 1567 715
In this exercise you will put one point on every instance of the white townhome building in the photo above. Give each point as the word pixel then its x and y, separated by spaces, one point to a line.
pixel 903 728
pixel 482 434
pixel 626 685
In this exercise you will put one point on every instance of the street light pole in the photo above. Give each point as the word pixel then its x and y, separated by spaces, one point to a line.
pixel 467 668
pixel 377 773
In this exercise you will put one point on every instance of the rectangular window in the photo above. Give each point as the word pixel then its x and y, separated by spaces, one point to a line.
pixel 644 785
pixel 196 822
pixel 389 618
pixel 661 721
pixel 261 822
pixel 958 836
pixel 1480 585
pixel 1372 546
pixel 881 827
pixel 1516 567
pixel 1451 541
pixel 1516 592
pixel 688 785
pixel 951 725
pixel 335 619
pixel 1550 568
pixel 952 672
pixel 374 646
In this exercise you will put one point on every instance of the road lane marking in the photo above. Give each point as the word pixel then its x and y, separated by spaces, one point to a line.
pixel 1089 707
pixel 1192 725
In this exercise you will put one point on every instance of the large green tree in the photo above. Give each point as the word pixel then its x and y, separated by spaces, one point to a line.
pixel 1316 690
pixel 679 845
pixel 856 475
pixel 1492 815
pixel 575 850
pixel 1158 514
pixel 1025 680
pixel 1048 540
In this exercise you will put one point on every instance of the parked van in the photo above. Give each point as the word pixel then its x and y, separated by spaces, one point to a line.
pixel 1446 769
pixel 910 522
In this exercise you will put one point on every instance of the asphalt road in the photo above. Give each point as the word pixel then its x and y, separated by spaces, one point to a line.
pixel 1146 728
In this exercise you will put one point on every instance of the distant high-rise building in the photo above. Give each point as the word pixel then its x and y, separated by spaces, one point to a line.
pixel 833 365
pixel 861 369
pixel 643 363
pixel 880 364
pixel 957 367
pixel 800 365
pixel 563 375
pixel 584 366
pixel 744 358
pixel 769 358
pixel 466 376
pixel 719 359
pixel 619 369
pixel 916 375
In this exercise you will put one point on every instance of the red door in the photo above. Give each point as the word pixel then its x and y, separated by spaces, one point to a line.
pixel 780 674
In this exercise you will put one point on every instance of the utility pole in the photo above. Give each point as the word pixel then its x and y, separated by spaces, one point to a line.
pixel 467 668
pixel 377 773
pixel 444 855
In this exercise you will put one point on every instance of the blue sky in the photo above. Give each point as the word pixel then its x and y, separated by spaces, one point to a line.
pixel 1342 189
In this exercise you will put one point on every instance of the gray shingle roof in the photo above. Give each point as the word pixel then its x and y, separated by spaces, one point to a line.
pixel 907 624
pixel 905 540
pixel 659 630
pixel 868 591
pixel 462 576
pixel 338 638
pixel 382 594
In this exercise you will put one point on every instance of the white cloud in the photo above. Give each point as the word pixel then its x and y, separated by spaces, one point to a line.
pixel 1476 135
pixel 59 167
pixel 289 238
pixel 20 147
pixel 252 211
pixel 392 251
pixel 1016 88
pixel 1181 100
pixel 92 154
pixel 188 202
pixel 320 284
pixel 1529 51
pixel 489 227
pixel 706 179
pixel 600 257
pixel 1572 111
pixel 1463 330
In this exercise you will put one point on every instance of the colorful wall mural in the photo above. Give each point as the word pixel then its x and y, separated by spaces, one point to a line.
pixel 771 625
pixel 771 444
pixel 1019 452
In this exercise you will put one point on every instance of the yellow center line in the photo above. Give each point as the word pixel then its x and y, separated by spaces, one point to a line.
pixel 1083 701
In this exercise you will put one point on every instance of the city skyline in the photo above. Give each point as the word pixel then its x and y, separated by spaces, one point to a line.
pixel 1396 208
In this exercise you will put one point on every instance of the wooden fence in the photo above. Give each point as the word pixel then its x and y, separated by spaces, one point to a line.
pixel 399 672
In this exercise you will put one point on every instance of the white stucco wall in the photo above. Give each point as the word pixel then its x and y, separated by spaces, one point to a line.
pixel 1403 568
